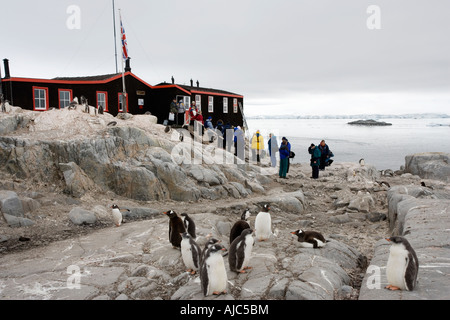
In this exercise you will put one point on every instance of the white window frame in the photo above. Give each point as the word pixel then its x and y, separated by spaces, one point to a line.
pixel 225 105
pixel 40 99
pixel 198 101
pixel 101 101
pixel 210 104
pixel 235 105
pixel 63 100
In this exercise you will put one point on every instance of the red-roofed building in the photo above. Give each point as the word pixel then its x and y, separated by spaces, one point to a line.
pixel 106 90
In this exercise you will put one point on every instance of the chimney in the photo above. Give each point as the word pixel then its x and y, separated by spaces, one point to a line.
pixel 198 84
pixel 6 64
pixel 173 80
pixel 127 65
pixel 192 83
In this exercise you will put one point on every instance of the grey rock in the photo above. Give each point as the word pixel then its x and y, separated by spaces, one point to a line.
pixel 376 216
pixel 141 212
pixel 223 228
pixel 30 205
pixel 80 216
pixel 430 165
pixel 255 286
pixel 362 203
pixel 77 182
pixel 122 296
pixel 11 204
pixel 16 222
pixel 342 218
pixel 278 289
pixel 144 292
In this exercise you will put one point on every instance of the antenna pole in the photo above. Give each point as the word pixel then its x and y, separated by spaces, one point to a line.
pixel 115 35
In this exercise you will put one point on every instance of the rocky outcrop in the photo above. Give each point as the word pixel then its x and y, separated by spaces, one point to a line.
pixel 429 165
pixel 370 122
pixel 423 217
pixel 128 161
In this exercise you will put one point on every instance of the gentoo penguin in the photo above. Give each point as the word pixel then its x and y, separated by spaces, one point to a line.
pixel 73 104
pixel 213 275
pixel 402 266
pixel 240 226
pixel 384 184
pixel 176 228
pixel 190 253
pixel 263 224
pixel 310 239
pixel 208 244
pixel 117 215
pixel 240 251
pixel 189 224
pixel 362 162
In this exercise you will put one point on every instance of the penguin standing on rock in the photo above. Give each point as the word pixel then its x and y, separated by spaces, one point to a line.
pixel 240 226
pixel 189 224
pixel 213 275
pixel 190 253
pixel 240 251
pixel 117 215
pixel 402 266
pixel 310 239
pixel 263 224
pixel 176 228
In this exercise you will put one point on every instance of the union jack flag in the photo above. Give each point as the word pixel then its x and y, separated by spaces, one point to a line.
pixel 124 41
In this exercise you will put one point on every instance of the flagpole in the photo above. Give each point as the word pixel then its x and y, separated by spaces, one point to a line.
pixel 115 35
pixel 124 93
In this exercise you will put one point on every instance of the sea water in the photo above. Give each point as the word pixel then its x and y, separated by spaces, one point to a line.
pixel 385 147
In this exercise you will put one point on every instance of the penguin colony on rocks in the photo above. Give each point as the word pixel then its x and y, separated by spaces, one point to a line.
pixel 401 270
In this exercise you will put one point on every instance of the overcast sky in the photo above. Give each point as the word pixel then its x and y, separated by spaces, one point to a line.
pixel 305 57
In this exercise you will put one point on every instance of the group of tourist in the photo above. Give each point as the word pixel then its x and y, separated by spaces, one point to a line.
pixel 320 155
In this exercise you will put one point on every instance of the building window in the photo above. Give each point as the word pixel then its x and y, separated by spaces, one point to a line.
pixel 225 105
pixel 65 97
pixel 198 101
pixel 121 101
pixel 235 105
pixel 102 100
pixel 210 104
pixel 40 98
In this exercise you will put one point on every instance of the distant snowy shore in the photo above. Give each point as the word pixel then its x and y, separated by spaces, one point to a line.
pixel 356 116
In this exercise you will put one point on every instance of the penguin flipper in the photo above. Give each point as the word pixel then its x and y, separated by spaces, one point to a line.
pixel 240 253
pixel 204 279
pixel 410 273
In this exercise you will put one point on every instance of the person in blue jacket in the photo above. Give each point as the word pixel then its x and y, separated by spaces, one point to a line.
pixel 315 153
pixel 285 151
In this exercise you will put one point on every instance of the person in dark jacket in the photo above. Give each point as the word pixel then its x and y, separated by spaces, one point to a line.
pixel 173 111
pixel 285 151
pixel 315 160
pixel 324 154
